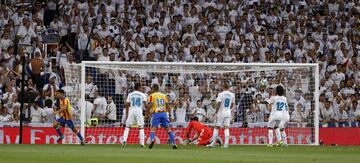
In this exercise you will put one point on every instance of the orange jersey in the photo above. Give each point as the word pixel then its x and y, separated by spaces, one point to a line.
pixel 158 102
pixel 198 127
pixel 65 114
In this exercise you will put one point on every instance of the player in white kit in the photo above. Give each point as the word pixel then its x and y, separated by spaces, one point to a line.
pixel 225 102
pixel 134 105
pixel 279 117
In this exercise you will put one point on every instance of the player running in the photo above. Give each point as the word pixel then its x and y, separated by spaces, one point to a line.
pixel 158 102
pixel 225 101
pixel 279 116
pixel 65 116
pixel 134 105
pixel 202 132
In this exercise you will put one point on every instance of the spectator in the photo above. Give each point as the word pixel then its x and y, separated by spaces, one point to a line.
pixel 63 54
pixel 38 115
pixel 110 114
pixel 50 118
pixel 198 111
pixel 180 110
pixel 32 91
pixel 354 112
pixel 49 89
pixel 298 115
pixel 210 112
pixel 90 87
pixel 11 104
pixel 26 33
pixel 100 104
pixel 16 113
pixel 37 66
pixel 328 113
pixel 341 116
pixel 5 116
pixel 5 42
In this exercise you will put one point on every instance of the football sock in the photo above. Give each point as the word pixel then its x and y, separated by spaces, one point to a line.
pixel 142 136
pixel 215 134
pixel 59 132
pixel 284 137
pixel 80 136
pixel 172 137
pixel 227 136
pixel 126 133
pixel 278 134
pixel 271 136
pixel 152 135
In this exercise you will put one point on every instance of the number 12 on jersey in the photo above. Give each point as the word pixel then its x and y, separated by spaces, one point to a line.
pixel 280 106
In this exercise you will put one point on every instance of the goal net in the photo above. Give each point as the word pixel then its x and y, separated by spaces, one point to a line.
pixel 98 90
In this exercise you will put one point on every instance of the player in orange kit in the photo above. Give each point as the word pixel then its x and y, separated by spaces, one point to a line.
pixel 203 133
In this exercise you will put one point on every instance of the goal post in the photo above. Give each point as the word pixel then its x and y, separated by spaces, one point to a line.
pixel 187 83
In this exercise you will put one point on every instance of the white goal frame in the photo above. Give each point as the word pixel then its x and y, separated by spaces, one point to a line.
pixel 280 65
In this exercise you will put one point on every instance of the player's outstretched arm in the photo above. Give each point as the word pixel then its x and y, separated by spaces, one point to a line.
pixel 148 107
pixel 168 108
pixel 218 104
pixel 62 108
pixel 187 132
pixel 262 102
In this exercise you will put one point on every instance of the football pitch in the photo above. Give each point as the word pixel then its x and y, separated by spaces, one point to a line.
pixel 185 154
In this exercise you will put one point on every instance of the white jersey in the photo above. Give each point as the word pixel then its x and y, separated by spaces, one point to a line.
pixel 226 98
pixel 101 104
pixel 279 107
pixel 136 100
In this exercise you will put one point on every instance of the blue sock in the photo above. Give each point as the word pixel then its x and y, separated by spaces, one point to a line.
pixel 59 132
pixel 152 135
pixel 172 137
pixel 80 137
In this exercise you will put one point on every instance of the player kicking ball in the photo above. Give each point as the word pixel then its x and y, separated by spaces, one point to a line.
pixel 202 132
pixel 158 102
pixel 279 116
pixel 225 102
pixel 65 116
pixel 134 105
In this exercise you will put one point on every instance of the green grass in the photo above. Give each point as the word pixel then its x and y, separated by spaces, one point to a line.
pixel 185 154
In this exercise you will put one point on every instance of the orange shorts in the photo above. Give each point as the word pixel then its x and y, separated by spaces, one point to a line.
pixel 204 138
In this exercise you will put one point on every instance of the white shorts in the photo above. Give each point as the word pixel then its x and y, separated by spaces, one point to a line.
pixel 135 117
pixel 223 121
pixel 278 121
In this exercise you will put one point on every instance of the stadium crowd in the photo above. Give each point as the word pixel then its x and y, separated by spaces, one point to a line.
pixel 231 31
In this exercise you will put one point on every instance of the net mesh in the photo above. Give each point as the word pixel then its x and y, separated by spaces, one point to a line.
pixel 192 90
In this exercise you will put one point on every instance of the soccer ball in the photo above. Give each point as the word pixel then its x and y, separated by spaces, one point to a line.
pixel 263 82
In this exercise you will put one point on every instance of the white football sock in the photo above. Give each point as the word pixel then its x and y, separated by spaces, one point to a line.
pixel 227 136
pixel 126 133
pixel 271 136
pixel 278 134
pixel 215 135
pixel 284 137
pixel 142 136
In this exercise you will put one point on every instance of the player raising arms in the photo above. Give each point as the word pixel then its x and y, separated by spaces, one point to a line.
pixel 225 102
pixel 65 116
pixel 203 133
pixel 279 115
pixel 134 105
pixel 158 102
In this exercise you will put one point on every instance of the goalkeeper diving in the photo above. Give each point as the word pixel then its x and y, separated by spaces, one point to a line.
pixel 203 134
